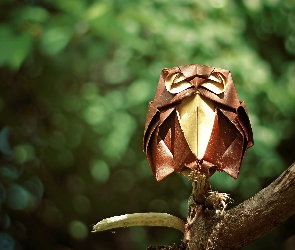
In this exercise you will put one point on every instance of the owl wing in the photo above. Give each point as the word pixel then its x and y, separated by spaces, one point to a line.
pixel 164 143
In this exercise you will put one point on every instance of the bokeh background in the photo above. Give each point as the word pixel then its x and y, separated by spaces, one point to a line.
pixel 75 81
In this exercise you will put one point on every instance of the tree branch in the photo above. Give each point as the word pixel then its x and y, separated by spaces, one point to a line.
pixel 249 220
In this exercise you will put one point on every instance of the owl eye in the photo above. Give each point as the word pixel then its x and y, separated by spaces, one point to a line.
pixel 175 83
pixel 216 83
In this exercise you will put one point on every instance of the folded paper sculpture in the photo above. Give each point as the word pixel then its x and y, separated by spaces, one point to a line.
pixel 196 121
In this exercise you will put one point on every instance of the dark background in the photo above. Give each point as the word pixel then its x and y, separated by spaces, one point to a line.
pixel 75 81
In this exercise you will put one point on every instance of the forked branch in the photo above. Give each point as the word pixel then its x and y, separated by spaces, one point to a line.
pixel 249 220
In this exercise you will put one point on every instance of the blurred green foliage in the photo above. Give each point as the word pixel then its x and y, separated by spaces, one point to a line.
pixel 75 81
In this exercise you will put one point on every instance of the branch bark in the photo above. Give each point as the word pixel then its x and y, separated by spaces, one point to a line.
pixel 249 220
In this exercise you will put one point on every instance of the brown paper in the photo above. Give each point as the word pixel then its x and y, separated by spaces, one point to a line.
pixel 196 121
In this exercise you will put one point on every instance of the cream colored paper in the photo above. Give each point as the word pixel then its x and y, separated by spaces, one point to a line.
pixel 177 83
pixel 196 116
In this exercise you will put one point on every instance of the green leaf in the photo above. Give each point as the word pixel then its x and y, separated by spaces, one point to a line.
pixel 55 39
pixel 14 47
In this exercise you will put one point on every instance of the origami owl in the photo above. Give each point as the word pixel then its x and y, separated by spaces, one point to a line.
pixel 196 121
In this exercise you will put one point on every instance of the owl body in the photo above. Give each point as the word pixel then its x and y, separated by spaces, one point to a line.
pixel 196 121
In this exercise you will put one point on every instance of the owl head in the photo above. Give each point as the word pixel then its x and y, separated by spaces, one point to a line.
pixel 196 121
